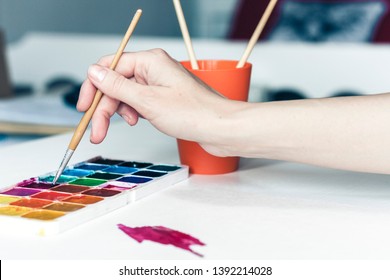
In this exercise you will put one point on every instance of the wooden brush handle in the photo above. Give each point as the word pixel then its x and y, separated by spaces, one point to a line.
pixel 256 34
pixel 84 122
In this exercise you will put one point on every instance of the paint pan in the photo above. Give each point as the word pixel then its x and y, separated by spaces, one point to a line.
pixel 136 164
pixel 86 191
pixel 104 176
pixel 88 182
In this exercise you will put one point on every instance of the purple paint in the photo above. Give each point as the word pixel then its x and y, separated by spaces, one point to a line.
pixel 21 192
pixel 40 185
pixel 162 235
pixel 117 188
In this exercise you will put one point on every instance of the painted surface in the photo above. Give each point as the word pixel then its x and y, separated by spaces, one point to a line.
pixel 162 235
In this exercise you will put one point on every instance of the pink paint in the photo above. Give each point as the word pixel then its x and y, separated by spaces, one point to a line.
pixel 162 235
pixel 27 182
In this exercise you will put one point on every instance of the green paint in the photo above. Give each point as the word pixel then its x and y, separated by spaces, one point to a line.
pixel 88 182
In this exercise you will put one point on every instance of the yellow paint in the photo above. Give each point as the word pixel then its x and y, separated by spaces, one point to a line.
pixel 42 232
pixel 64 207
pixel 5 199
pixel 44 215
pixel 14 210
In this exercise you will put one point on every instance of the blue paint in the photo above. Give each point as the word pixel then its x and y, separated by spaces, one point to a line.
pixel 92 166
pixel 136 164
pixel 120 170
pixel 62 179
pixel 147 173
pixel 104 176
pixel 105 161
pixel 77 172
pixel 135 180
pixel 166 168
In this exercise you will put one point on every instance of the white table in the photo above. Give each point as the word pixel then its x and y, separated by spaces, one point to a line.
pixel 266 210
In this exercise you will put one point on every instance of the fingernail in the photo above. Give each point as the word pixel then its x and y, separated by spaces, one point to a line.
pixel 126 118
pixel 97 72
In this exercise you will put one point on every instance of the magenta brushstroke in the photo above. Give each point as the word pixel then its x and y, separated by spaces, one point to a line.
pixel 162 235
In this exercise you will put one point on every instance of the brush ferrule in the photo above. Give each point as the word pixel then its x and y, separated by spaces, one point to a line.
pixel 63 164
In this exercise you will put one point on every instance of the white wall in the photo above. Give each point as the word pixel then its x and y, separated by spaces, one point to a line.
pixel 213 17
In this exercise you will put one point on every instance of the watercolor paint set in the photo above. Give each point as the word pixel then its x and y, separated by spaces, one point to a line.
pixel 85 191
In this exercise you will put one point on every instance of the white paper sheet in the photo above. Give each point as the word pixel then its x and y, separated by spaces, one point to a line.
pixel 45 110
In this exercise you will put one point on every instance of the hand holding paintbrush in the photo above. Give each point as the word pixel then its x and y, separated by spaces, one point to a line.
pixel 194 66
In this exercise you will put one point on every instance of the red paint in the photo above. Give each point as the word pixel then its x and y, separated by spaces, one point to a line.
pixel 51 195
pixel 162 235
pixel 31 202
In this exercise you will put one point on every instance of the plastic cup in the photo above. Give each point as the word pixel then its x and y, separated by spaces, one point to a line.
pixel 233 83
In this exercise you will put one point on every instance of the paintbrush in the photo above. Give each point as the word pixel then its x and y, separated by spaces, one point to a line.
pixel 84 122
pixel 256 34
pixel 186 34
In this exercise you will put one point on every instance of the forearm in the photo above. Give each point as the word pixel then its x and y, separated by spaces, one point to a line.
pixel 350 133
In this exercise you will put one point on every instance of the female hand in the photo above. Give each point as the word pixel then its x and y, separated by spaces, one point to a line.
pixel 153 85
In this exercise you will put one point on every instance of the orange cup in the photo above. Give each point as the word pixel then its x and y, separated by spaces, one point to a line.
pixel 231 82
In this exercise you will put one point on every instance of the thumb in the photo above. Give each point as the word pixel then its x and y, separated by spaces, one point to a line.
pixel 113 84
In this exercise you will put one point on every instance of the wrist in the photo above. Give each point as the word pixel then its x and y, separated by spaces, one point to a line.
pixel 248 130
pixel 232 131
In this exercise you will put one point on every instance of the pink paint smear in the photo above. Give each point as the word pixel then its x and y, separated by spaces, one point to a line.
pixel 162 235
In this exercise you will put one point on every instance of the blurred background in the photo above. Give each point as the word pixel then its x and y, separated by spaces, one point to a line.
pixel 205 18
pixel 35 31
pixel 292 20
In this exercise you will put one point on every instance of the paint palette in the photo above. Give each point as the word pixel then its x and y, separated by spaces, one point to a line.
pixel 84 191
